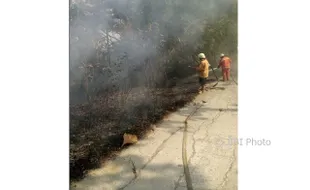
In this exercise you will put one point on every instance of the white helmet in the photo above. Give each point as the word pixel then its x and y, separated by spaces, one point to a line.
pixel 201 56
pixel 222 55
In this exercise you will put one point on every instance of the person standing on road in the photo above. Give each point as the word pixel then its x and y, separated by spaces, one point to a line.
pixel 225 63
pixel 203 70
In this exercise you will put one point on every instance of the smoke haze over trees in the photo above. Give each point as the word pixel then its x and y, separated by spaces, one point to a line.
pixel 120 37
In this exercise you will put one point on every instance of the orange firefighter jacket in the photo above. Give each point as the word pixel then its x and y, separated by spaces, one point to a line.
pixel 225 63
pixel 203 68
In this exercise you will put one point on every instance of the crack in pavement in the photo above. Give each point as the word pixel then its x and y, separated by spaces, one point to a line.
pixel 159 148
pixel 177 183
pixel 214 119
pixel 194 140
pixel 208 125
pixel 225 179
pixel 134 168
pixel 234 158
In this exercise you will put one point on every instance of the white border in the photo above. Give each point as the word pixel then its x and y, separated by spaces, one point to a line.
pixel 274 94
pixel 34 95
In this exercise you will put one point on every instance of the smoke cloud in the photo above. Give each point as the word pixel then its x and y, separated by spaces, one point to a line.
pixel 122 35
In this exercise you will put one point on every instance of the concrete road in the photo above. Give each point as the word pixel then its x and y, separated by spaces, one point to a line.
pixel 157 160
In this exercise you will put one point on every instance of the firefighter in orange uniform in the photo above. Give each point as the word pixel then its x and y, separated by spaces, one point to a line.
pixel 225 64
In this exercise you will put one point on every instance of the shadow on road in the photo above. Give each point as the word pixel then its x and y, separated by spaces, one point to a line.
pixel 165 176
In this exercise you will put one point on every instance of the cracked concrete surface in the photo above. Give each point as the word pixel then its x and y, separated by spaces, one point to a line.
pixel 158 158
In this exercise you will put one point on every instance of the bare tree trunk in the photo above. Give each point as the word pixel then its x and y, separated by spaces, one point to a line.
pixel 108 48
